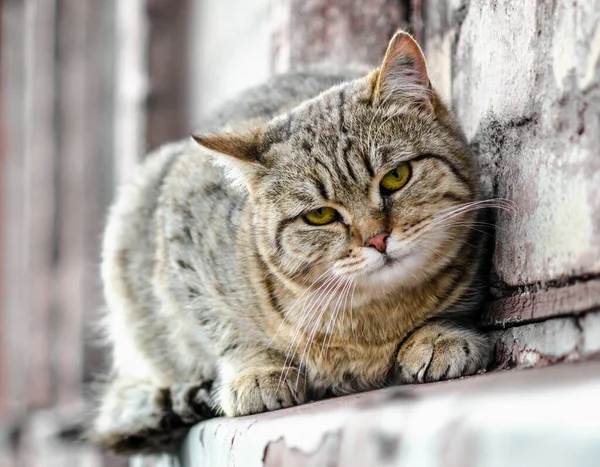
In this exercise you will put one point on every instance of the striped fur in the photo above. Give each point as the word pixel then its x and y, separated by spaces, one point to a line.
pixel 209 281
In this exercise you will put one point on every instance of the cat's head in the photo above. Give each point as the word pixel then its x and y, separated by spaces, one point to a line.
pixel 362 183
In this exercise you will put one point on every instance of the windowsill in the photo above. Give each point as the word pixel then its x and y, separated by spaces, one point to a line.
pixel 548 416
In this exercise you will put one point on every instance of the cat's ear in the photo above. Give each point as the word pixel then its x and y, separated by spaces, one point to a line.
pixel 403 73
pixel 238 153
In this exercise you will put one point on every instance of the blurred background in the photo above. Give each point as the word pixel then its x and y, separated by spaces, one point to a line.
pixel 89 86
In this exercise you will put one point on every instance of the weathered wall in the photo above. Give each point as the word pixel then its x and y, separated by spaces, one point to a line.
pixel 523 78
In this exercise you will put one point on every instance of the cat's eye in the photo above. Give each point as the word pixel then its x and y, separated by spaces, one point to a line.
pixel 395 179
pixel 321 216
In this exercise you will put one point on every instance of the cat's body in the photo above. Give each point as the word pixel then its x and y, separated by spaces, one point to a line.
pixel 207 282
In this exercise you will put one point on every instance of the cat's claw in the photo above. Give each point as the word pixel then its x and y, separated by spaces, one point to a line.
pixel 263 389
pixel 438 351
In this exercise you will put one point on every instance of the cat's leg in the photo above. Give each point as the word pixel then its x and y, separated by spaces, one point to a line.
pixel 441 350
pixel 258 383
pixel 140 417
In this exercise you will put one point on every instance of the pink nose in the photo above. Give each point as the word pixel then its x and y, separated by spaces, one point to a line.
pixel 379 242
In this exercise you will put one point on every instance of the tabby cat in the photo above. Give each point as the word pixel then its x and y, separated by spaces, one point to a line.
pixel 322 243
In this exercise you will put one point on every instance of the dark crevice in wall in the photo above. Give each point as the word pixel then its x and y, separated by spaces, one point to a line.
pixel 502 290
pixel 491 143
pixel 576 316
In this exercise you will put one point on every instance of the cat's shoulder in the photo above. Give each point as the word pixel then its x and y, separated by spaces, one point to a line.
pixel 191 172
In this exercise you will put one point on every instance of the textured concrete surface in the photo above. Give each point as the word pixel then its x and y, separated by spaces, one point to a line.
pixel 493 420
pixel 523 78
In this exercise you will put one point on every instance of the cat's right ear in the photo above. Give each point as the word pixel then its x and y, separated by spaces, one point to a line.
pixel 403 74
pixel 238 153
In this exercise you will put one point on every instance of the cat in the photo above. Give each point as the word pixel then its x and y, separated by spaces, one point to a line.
pixel 323 242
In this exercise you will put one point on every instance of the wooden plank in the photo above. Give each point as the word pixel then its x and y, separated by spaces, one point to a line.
pixel 39 171
pixel 3 369
pixel 15 303
pixel 98 169
pixel 167 70
pixel 130 87
pixel 73 151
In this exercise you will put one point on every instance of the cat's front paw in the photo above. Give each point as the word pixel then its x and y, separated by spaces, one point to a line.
pixel 143 418
pixel 439 351
pixel 263 389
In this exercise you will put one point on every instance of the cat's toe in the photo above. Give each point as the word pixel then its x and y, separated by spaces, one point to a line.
pixel 437 352
pixel 263 389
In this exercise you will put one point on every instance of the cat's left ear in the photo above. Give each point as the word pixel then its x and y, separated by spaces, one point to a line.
pixel 403 73
pixel 238 153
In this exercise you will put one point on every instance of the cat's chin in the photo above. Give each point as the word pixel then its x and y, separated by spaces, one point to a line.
pixel 406 270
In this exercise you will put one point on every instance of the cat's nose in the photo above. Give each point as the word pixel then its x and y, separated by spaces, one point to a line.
pixel 379 241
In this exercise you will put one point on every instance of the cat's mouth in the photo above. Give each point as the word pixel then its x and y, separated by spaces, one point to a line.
pixel 373 266
pixel 402 264
pixel 385 262
pixel 389 261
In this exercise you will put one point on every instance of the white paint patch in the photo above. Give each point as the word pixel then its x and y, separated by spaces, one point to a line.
pixel 564 53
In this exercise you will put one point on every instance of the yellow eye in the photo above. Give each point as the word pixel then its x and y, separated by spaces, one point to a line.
pixel 395 179
pixel 321 216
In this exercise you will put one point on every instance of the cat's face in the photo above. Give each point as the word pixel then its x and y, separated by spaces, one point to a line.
pixel 359 185
pixel 356 193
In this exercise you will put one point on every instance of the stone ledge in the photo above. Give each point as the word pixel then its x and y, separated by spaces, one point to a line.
pixel 546 417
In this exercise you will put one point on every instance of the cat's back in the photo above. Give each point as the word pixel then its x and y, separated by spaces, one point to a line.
pixel 278 94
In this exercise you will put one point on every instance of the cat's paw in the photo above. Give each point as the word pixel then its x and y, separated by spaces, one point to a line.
pixel 440 351
pixel 142 418
pixel 263 389
pixel 192 401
